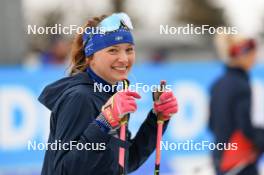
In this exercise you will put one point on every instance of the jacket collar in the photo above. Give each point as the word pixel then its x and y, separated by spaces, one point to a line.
pixel 239 71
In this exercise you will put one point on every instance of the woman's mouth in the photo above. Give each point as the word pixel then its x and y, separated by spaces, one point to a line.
pixel 121 69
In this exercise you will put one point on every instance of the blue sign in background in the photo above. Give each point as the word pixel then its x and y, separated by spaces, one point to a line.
pixel 23 119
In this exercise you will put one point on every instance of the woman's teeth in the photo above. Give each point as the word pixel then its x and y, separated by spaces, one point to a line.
pixel 120 68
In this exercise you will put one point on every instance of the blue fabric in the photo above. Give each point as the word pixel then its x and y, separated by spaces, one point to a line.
pixel 95 77
pixel 96 42
pixel 102 126
pixel 100 80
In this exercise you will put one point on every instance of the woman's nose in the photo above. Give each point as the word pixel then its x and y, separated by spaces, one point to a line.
pixel 123 57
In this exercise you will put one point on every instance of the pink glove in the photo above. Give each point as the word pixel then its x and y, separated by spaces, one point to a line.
pixel 166 105
pixel 118 106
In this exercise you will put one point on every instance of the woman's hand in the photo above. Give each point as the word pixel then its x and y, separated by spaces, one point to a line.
pixel 118 106
pixel 166 105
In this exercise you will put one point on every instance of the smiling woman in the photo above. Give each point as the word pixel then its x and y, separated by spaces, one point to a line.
pixel 111 54
pixel 84 115
pixel 113 63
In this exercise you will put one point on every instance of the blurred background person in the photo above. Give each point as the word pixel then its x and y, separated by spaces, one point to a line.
pixel 230 107
pixel 56 53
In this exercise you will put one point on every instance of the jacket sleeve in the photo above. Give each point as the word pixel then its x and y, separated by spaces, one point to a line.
pixel 75 112
pixel 144 142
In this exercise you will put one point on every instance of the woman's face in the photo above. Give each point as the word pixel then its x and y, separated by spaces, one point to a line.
pixel 249 59
pixel 113 63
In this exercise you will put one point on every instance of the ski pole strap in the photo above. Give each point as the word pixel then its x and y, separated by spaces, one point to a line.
pixel 125 84
pixel 119 143
pixel 160 121
pixel 124 120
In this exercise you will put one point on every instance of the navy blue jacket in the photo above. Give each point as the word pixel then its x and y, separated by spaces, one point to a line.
pixel 74 106
pixel 230 110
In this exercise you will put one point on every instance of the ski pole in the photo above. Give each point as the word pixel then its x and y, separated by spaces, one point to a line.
pixel 159 128
pixel 122 136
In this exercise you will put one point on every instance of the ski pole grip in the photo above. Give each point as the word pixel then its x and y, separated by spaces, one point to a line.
pixel 156 95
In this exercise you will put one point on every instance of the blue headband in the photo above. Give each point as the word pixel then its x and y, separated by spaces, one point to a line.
pixel 96 42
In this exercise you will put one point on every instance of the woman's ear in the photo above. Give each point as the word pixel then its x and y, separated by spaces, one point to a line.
pixel 90 57
pixel 89 60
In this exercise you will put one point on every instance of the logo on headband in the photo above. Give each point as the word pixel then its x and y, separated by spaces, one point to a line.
pixel 118 38
pixel 89 48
